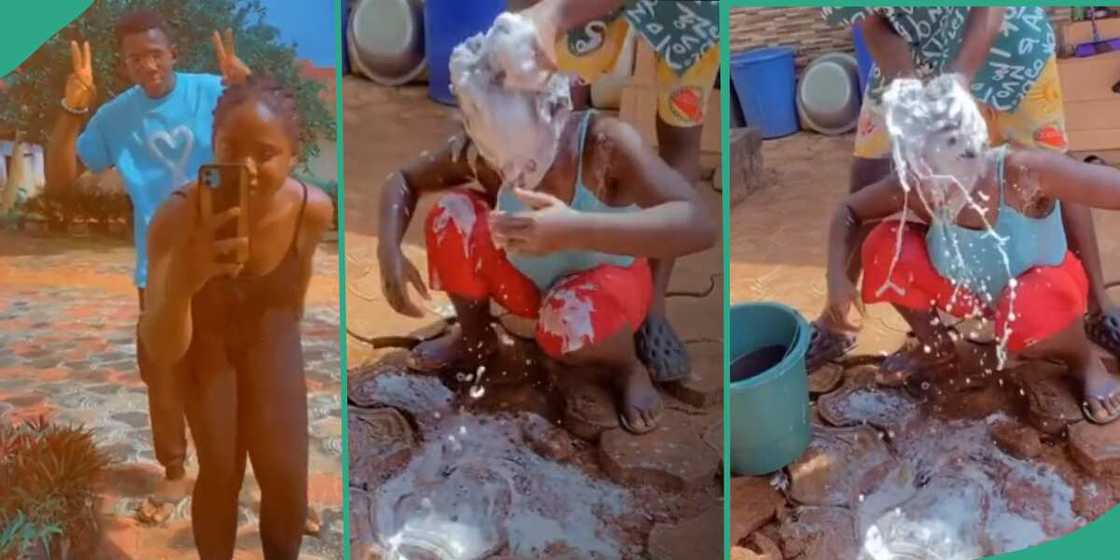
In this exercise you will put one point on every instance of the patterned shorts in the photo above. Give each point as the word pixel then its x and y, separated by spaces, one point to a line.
pixel 1038 121
pixel 682 98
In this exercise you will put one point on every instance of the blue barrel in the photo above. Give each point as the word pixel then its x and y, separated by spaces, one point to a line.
pixel 446 24
pixel 765 82
pixel 345 37
pixel 863 57
pixel 769 411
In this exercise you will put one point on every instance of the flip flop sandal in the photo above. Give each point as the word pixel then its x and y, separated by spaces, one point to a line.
pixel 626 424
pixel 662 351
pixel 1098 421
pixel 826 346
pixel 1105 331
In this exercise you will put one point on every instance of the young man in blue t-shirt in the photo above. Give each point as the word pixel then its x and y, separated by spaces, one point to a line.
pixel 156 134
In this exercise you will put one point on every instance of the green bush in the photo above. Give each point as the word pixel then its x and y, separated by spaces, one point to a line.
pixel 50 474
pixel 62 207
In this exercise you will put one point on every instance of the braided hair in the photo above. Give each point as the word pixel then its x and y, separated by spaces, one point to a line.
pixel 272 94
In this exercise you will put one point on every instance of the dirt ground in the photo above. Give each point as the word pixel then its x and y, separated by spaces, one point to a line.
pixel 384 128
pixel 977 465
pixel 68 315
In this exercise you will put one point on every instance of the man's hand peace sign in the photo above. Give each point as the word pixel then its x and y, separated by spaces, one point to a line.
pixel 234 71
pixel 79 86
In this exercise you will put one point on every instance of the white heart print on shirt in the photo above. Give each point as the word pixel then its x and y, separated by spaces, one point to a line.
pixel 173 149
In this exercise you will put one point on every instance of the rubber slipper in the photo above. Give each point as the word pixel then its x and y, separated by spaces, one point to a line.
pixel 826 346
pixel 1104 330
pixel 661 351
pixel 1095 420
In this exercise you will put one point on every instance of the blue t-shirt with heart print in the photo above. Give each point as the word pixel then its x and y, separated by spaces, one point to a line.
pixel 157 146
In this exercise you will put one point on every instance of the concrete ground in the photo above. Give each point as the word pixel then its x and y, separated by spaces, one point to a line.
pixel 385 128
pixel 980 465
pixel 68 315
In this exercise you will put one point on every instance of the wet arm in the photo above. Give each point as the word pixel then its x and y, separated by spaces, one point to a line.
pixel 444 169
pixel 673 220
pixel 982 27
pixel 165 323
pixel 879 200
pixel 1078 222
pixel 63 166
pixel 1066 179
pixel 890 51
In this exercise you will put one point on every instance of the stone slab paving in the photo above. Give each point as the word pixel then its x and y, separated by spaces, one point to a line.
pixel 68 316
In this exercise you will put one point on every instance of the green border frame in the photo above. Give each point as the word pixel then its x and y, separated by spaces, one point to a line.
pixel 343 339
pixel 1091 540
pixel 725 174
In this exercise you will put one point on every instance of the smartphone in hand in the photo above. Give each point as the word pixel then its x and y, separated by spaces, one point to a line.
pixel 224 186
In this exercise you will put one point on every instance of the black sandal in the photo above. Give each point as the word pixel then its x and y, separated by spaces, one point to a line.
pixel 1104 330
pixel 662 351
pixel 826 346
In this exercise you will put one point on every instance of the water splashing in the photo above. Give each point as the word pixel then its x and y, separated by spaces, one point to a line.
pixel 939 147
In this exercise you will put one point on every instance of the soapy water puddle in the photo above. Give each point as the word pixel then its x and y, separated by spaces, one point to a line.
pixel 882 409
pixel 958 496
pixel 475 487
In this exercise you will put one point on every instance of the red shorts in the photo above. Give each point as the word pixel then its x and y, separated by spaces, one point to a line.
pixel 1048 299
pixel 579 310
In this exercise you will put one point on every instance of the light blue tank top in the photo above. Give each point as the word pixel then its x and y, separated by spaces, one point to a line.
pixel 1029 242
pixel 544 270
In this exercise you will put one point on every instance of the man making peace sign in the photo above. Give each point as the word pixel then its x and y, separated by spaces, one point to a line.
pixel 156 134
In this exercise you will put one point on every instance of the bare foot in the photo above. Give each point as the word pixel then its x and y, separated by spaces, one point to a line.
pixel 448 350
pixel 175 485
pixel 1102 392
pixel 641 405
pixel 916 358
pixel 312 526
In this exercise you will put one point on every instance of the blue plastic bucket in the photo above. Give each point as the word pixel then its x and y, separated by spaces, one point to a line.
pixel 863 57
pixel 446 24
pixel 770 410
pixel 765 82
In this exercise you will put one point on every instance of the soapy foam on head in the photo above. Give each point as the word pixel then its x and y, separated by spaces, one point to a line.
pixel 514 110
pixel 940 134
pixel 939 145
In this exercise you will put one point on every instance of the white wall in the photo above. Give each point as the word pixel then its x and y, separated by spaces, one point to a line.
pixel 34 153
